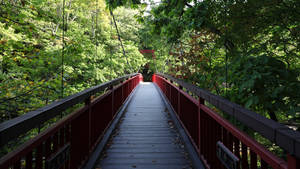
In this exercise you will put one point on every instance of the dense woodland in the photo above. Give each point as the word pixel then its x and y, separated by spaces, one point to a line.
pixel 245 50
pixel 35 53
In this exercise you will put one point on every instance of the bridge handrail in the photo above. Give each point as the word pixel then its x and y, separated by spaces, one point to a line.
pixel 15 127
pixel 279 134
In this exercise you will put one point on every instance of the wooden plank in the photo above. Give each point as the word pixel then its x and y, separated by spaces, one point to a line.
pixel 146 136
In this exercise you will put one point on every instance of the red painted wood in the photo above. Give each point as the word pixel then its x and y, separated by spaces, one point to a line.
pixel 211 144
pixel 225 137
pixel 212 141
pixel 39 157
pixel 179 105
pixel 112 103
pixel 234 136
pixel 205 135
pixel 263 164
pixel 293 162
pixel 147 51
pixel 237 149
pixel 270 158
pixel 117 99
pixel 175 98
pixel 202 131
pixel 17 164
pixel 73 129
pixel 245 164
pixel 68 133
pixel 28 161
pixel 48 147
pixel 122 93
pixel 201 101
pixel 230 142
pixel 55 142
pixel 62 137
pixel 218 137
pixel 253 160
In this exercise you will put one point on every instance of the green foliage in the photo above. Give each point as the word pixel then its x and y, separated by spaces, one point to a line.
pixel 247 51
pixel 113 4
pixel 264 83
pixel 31 50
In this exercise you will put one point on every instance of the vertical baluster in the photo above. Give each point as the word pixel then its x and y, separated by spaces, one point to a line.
pixel 48 147
pixel 68 133
pixel 210 144
pixel 201 102
pixel 230 142
pixel 62 137
pixel 131 85
pixel 237 150
pixel 68 138
pixel 245 164
pixel 163 87
pixel 212 141
pixel 128 91
pixel 122 92
pixel 264 165
pixel 17 164
pixel 179 106
pixel 225 137
pixel 28 160
pixel 170 96
pixel 112 101
pixel 39 157
pixel 206 130
pixel 202 132
pixel 88 123
pixel 55 142
pixel 253 159
pixel 218 137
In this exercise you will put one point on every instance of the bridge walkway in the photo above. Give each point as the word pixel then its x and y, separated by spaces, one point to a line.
pixel 145 136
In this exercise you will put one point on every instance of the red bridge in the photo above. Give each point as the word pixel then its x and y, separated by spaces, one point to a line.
pixel 127 123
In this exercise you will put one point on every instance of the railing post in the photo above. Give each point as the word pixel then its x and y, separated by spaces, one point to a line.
pixel 88 104
pixel 170 87
pixel 201 102
pixel 128 87
pixel 112 101
pixel 153 78
pixel 141 78
pixel 179 103
pixel 170 96
pixel 122 91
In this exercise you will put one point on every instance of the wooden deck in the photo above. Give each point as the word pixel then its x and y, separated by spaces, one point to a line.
pixel 145 137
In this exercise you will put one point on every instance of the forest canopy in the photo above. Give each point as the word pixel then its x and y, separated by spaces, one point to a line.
pixel 245 50
pixel 49 50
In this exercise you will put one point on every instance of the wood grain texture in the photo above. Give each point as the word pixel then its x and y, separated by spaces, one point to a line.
pixel 145 137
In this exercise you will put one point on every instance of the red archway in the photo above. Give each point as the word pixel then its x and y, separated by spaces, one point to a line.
pixel 143 51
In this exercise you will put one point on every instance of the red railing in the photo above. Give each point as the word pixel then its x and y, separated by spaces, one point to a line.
pixel 69 142
pixel 205 128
